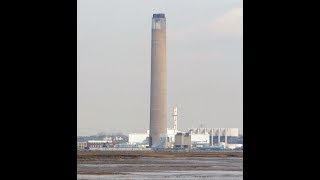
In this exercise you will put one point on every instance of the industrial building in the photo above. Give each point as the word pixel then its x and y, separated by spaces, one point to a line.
pixel 212 138
pixel 234 146
pixel 201 137
pixel 141 138
pixel 108 139
pixel 182 141
pixel 172 132
pixel 97 144
pixel 230 131
pixel 158 90
pixel 82 145
pixel 171 137
pixel 138 138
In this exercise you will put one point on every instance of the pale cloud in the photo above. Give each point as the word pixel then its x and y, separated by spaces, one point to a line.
pixel 227 26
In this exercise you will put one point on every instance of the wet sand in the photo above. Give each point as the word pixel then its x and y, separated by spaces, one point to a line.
pixel 151 165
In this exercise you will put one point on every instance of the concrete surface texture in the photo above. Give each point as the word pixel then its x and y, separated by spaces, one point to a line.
pixel 158 95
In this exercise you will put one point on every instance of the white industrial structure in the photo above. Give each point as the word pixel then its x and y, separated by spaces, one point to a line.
pixel 108 139
pixel 138 138
pixel 175 118
pixel 82 145
pixel 232 131
pixel 202 135
pixel 198 136
pixel 141 138
pixel 172 132
pixel 233 146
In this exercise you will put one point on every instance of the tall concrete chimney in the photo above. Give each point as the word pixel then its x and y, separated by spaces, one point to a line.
pixel 158 97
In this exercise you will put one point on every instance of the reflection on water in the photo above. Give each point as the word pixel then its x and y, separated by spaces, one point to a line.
pixel 166 168
pixel 214 175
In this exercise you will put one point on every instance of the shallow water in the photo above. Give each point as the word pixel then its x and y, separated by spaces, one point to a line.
pixel 219 175
pixel 165 168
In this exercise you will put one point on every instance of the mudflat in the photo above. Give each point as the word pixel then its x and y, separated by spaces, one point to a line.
pixel 130 162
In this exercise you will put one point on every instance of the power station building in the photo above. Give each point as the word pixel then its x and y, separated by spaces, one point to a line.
pixel 159 135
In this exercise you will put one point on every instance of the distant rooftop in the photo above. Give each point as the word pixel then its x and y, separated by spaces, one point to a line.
pixel 158 16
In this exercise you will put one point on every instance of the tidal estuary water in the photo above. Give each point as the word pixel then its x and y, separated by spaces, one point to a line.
pixel 215 168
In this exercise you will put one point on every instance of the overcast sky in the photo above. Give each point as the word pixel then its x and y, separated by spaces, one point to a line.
pixel 204 63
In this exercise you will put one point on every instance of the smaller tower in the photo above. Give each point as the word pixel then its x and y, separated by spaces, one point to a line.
pixel 175 119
